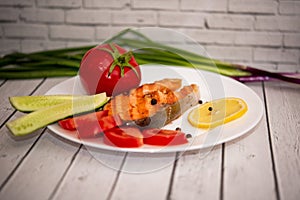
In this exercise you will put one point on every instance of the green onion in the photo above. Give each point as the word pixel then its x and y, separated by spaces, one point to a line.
pixel 29 74
pixel 66 61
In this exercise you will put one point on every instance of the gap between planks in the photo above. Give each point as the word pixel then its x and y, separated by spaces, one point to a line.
pixel 27 152
pixel 248 163
pixel 270 142
pixel 284 122
pixel 32 92
pixel 40 88
pixel 90 169
pixel 65 173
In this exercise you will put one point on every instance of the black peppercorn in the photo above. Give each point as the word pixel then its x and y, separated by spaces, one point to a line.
pixel 188 135
pixel 210 108
pixel 200 101
pixel 178 129
pixel 153 101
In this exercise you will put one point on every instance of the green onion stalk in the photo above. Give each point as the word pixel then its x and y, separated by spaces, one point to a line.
pixel 66 61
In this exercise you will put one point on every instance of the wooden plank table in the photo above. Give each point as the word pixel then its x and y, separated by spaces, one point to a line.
pixel 264 164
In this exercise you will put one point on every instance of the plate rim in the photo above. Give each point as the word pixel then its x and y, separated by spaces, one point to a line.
pixel 168 149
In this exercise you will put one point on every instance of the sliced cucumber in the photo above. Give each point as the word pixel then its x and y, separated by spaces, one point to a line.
pixel 33 103
pixel 43 117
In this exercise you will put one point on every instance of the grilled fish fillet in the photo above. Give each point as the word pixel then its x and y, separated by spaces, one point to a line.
pixel 151 98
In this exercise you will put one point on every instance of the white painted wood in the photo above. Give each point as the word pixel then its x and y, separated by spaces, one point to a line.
pixel 91 176
pixel 248 172
pixel 198 175
pixel 145 176
pixel 12 149
pixel 11 152
pixel 284 116
pixel 248 165
pixel 41 170
pixel 14 88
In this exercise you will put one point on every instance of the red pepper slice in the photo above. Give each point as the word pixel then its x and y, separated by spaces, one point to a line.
pixel 127 137
pixel 93 128
pixel 92 124
pixel 164 137
pixel 69 123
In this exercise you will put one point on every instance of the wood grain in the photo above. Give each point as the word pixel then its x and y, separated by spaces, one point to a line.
pixel 14 88
pixel 248 166
pixel 48 160
pixel 145 176
pixel 284 119
pixel 92 175
pixel 13 150
pixel 264 164
pixel 198 175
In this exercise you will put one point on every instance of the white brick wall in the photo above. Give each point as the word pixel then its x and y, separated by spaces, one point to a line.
pixel 204 5
pixel 16 2
pixel 60 3
pixel 25 31
pixel 291 40
pixel 261 33
pixel 155 4
pixel 276 55
pixel 280 23
pixel 9 15
pixel 145 18
pixel 68 32
pixel 42 15
pixel 167 19
pixel 225 21
pixel 94 4
pixel 253 6
pixel 289 8
pixel 88 17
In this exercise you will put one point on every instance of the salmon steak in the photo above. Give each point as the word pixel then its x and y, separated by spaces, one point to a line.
pixel 153 105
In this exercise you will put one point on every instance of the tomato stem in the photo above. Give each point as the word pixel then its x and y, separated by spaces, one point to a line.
pixel 120 60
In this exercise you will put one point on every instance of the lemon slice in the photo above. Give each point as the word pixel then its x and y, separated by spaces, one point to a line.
pixel 217 112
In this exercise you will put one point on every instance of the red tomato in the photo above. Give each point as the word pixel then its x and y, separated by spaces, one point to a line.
pixel 92 128
pixel 69 123
pixel 163 137
pixel 109 68
pixel 127 137
pixel 90 125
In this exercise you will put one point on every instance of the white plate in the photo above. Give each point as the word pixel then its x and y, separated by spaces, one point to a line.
pixel 212 86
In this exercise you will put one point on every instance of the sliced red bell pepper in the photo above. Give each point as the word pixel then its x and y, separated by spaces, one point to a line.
pixel 127 137
pixel 90 125
pixel 164 137
pixel 69 123
pixel 92 128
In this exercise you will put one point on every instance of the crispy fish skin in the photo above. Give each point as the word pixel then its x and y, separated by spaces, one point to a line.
pixel 188 97
pixel 171 83
pixel 146 100
pixel 158 101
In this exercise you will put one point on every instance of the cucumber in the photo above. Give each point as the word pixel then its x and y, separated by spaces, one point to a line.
pixel 43 117
pixel 33 103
